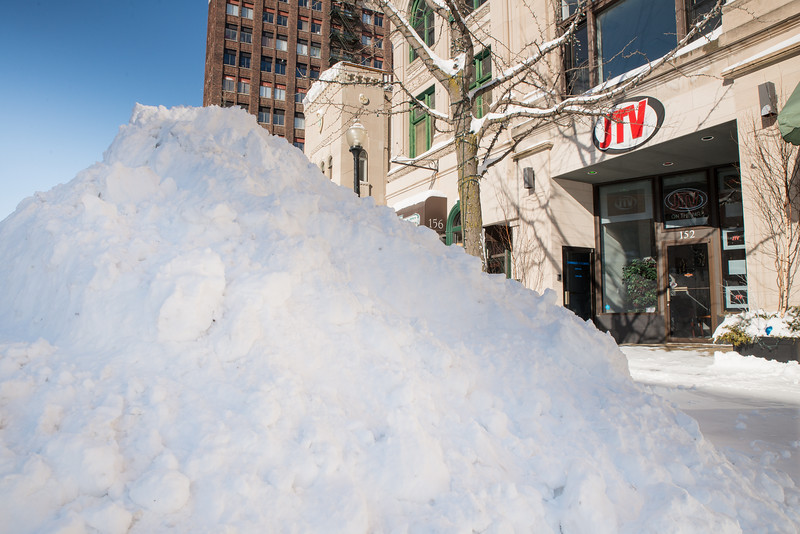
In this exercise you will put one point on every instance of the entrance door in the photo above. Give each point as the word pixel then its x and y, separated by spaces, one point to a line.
pixel 689 291
pixel 578 280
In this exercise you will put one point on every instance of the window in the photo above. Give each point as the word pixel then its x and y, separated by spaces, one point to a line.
pixel 366 18
pixel 227 104
pixel 300 143
pixel 421 131
pixel 685 200
pixel 231 32
pixel 229 57
pixel 474 4
pixel 278 117
pixel 299 95
pixel 263 115
pixel 731 220
pixel 366 61
pixel 269 16
pixel 377 42
pixel 232 9
pixel 299 121
pixel 627 247
pixel 284 1
pixel 302 47
pixel 280 66
pixel 316 5
pixel 627 34
pixel 280 92
pixel 266 39
pixel 632 32
pixel 301 71
pixel 698 8
pixel 281 43
pixel 302 3
pixel 422 21
pixel 283 19
pixel 265 91
pixel 246 36
pixel 483 73
pixel 247 11
pixel 365 40
pixel 453 235
pixel 266 64
pixel 302 24
pixel 378 20
pixel 229 83
pixel 377 63
pixel 316 27
pixel 576 62
pixel 315 50
pixel 244 60
pixel 314 74
pixel 243 87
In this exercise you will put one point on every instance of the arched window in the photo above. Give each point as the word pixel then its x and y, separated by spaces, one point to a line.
pixel 422 22
pixel 453 235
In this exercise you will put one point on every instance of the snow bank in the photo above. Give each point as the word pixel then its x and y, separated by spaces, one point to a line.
pixel 758 323
pixel 203 334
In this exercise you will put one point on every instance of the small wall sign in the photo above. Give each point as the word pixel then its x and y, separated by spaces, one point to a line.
pixel 628 125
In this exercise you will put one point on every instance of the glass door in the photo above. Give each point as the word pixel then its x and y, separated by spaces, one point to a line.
pixel 578 286
pixel 689 291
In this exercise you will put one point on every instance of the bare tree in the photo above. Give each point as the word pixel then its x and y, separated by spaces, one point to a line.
pixel 528 89
pixel 773 175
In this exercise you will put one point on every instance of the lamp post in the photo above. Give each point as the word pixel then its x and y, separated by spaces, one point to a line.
pixel 356 135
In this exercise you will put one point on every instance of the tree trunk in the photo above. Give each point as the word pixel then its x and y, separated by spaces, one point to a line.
pixel 469 187
pixel 469 193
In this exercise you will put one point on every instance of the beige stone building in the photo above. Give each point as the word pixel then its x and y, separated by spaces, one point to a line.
pixel 645 221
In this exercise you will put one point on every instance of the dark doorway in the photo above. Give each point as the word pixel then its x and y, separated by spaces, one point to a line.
pixel 689 291
pixel 578 280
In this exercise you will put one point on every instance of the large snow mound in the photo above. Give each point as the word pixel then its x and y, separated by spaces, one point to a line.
pixel 202 334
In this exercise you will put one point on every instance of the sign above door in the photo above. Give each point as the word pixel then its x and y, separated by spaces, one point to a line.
pixel 628 125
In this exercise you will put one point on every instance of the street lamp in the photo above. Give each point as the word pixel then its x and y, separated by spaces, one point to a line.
pixel 356 135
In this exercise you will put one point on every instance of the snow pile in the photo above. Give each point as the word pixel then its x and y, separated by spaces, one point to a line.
pixel 203 334
pixel 758 323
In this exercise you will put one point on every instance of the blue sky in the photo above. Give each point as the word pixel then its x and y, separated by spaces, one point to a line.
pixel 73 71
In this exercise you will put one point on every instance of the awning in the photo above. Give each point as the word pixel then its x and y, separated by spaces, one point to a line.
pixel 789 118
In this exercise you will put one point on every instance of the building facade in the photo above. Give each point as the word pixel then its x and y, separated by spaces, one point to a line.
pixel 646 221
pixel 265 54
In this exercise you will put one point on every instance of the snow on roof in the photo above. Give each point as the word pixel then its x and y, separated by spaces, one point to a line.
pixel 202 333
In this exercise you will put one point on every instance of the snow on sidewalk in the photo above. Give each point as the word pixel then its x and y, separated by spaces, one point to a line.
pixel 743 404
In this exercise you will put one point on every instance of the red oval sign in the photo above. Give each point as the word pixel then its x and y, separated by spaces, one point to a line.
pixel 630 124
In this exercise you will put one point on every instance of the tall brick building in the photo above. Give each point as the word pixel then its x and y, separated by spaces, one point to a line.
pixel 265 54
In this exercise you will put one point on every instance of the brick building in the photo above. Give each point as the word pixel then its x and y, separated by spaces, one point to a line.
pixel 265 54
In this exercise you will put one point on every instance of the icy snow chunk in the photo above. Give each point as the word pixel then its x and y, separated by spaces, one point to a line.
pixel 196 284
pixel 161 491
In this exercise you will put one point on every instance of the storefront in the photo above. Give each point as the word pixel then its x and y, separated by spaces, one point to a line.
pixel 669 255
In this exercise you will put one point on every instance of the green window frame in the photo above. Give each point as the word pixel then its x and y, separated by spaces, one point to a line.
pixel 423 23
pixel 453 235
pixel 483 73
pixel 421 124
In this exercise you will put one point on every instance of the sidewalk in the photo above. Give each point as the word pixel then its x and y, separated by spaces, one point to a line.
pixel 743 404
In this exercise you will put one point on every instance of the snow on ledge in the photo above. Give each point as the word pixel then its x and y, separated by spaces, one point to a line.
pixel 788 47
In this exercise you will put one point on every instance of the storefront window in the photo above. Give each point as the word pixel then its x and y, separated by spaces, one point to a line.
pixel 686 200
pixel 627 241
pixel 731 218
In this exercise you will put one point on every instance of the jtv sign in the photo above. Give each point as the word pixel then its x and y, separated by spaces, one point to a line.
pixel 628 125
